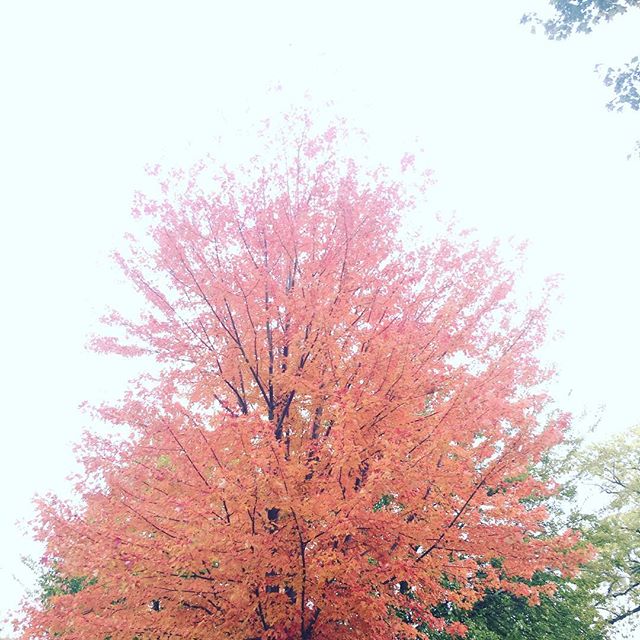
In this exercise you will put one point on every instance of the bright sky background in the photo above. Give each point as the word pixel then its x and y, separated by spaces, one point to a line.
pixel 514 127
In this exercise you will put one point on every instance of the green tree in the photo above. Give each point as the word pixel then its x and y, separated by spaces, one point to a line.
pixel 614 467
pixel 566 615
pixel 606 594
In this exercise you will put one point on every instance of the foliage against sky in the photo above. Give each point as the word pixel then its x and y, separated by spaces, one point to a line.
pixel 582 16
pixel 343 426
pixel 614 467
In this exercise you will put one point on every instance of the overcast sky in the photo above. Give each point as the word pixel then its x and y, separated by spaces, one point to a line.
pixel 513 126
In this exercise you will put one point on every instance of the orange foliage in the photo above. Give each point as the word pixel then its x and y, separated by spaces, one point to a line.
pixel 343 425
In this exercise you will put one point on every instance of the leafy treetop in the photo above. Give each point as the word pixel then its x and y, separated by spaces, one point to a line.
pixel 342 428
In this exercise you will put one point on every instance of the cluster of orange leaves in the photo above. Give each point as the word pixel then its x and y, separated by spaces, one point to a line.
pixel 343 426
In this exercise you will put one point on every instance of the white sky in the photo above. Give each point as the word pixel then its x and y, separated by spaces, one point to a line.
pixel 513 125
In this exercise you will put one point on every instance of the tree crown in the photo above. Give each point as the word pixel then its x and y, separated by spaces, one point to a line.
pixel 343 427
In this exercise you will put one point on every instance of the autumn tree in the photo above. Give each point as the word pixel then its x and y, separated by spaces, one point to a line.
pixel 340 436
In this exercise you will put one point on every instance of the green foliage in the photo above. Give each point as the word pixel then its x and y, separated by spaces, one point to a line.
pixel 567 615
pixel 50 582
pixel 614 467
pixel 384 501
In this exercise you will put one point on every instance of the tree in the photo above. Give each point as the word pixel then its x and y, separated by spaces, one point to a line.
pixel 571 611
pixel 615 531
pixel 571 17
pixel 566 615
pixel 342 428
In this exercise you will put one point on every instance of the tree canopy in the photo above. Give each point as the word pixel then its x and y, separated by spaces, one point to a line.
pixel 340 439
pixel 568 614
pixel 614 467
